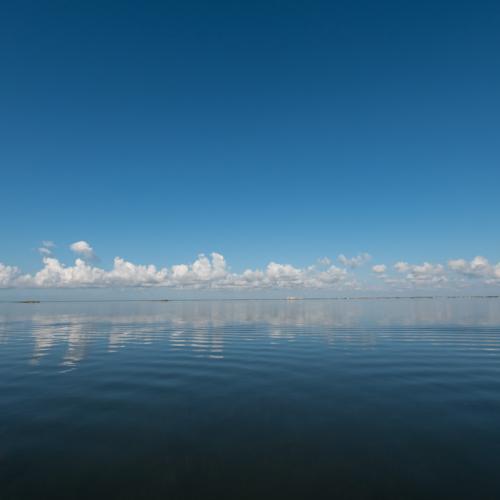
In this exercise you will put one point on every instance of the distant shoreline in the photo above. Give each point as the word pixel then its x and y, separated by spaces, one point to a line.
pixel 284 299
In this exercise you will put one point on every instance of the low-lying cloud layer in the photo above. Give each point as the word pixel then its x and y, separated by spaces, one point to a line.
pixel 212 272
pixel 205 272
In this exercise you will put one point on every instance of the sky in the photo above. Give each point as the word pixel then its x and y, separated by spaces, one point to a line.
pixel 354 144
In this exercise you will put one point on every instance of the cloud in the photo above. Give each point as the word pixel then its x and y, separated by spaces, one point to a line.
pixel 425 274
pixel 478 267
pixel 205 272
pixel 46 248
pixel 45 251
pixel 379 268
pixel 83 248
pixel 212 272
pixel 356 261
pixel 402 267
pixel 325 261
pixel 8 275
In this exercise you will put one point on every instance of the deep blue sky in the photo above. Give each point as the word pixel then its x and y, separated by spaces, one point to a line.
pixel 262 130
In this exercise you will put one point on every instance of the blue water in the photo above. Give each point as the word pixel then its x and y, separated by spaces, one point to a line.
pixel 365 399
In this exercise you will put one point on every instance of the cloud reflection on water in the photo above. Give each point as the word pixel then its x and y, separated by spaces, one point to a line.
pixel 203 328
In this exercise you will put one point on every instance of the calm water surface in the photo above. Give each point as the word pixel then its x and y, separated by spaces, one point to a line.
pixel 250 399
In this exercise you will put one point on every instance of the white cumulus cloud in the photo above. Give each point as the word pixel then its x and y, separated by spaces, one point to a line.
pixel 426 274
pixel 478 267
pixel 205 272
pixel 212 272
pixel 8 275
pixel 82 248
pixel 402 267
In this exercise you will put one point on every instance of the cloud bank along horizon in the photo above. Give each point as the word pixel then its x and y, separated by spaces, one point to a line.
pixel 213 272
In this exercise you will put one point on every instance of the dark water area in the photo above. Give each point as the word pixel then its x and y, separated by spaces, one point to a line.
pixel 301 399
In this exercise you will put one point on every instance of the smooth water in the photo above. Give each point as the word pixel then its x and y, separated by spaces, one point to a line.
pixel 250 399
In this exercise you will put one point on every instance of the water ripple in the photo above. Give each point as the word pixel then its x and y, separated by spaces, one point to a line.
pixel 299 394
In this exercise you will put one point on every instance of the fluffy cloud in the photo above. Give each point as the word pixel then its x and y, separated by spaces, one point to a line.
pixel 8 275
pixel 478 267
pixel 287 276
pixel 402 267
pixel 205 272
pixel 457 273
pixel 355 261
pixel 82 248
pixel 425 274
pixel 212 272
pixel 55 274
